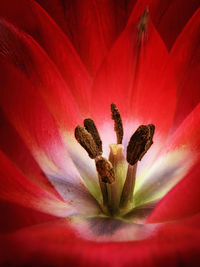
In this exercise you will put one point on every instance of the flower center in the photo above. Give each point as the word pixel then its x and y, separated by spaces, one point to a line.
pixel 116 179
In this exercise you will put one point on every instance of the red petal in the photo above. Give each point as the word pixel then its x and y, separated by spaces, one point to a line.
pixel 28 56
pixel 185 57
pixel 174 18
pixel 92 26
pixel 15 149
pixel 186 193
pixel 30 17
pixel 55 244
pixel 15 187
pixel 14 217
pixel 59 11
pixel 29 115
pixel 187 136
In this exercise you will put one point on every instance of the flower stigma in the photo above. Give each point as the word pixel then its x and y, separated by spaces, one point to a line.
pixel 117 174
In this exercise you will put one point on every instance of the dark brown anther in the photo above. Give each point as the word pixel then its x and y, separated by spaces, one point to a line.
pixel 151 128
pixel 139 143
pixel 118 123
pixel 92 129
pixel 86 140
pixel 105 170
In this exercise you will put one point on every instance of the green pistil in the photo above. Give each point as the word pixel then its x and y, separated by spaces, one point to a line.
pixel 116 175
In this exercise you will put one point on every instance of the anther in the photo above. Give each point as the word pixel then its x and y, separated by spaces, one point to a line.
pixel 105 170
pixel 86 140
pixel 139 143
pixel 92 129
pixel 149 142
pixel 118 123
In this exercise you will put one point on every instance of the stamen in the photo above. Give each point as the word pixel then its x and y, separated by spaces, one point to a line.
pixel 103 191
pixel 127 193
pixel 118 123
pixel 105 170
pixel 92 129
pixel 86 140
pixel 139 143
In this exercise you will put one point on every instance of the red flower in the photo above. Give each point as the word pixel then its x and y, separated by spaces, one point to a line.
pixel 64 61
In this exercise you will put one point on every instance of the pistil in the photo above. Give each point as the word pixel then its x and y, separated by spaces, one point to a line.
pixel 119 164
